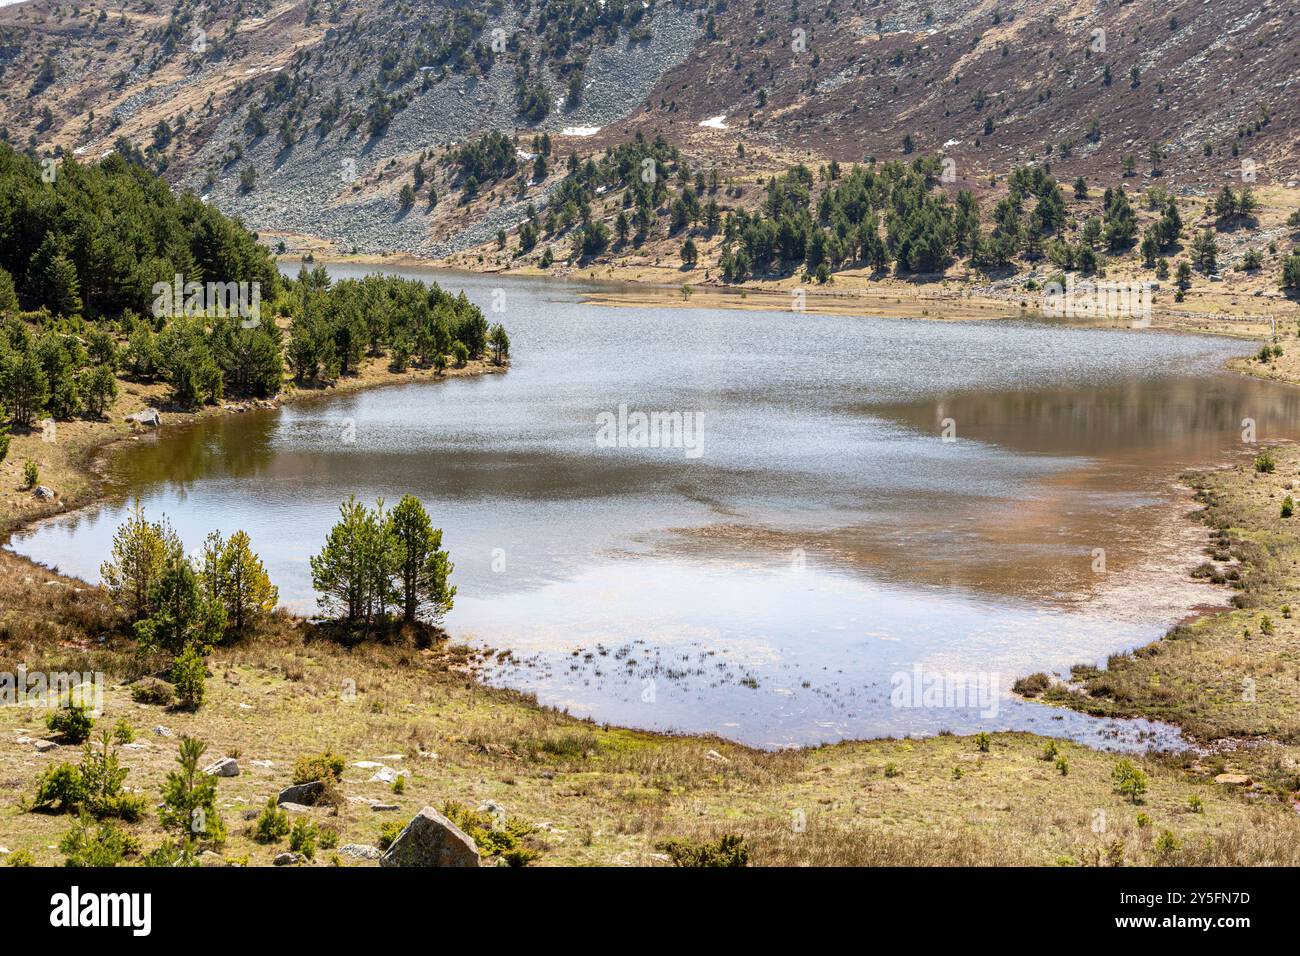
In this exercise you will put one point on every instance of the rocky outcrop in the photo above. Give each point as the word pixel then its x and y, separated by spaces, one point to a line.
pixel 225 767
pixel 147 417
pixel 430 839
pixel 304 794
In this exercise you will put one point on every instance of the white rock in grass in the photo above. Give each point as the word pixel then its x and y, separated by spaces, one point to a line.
pixel 360 851
pixel 225 767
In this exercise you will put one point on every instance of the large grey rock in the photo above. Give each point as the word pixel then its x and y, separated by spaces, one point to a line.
pixel 225 767
pixel 307 793
pixel 43 493
pixel 148 417
pixel 430 839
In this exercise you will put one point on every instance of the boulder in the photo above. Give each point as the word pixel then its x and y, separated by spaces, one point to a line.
pixel 225 767
pixel 307 793
pixel 43 745
pixel 360 851
pixel 289 859
pixel 384 807
pixel 43 493
pixel 430 839
pixel 148 417
pixel 1234 779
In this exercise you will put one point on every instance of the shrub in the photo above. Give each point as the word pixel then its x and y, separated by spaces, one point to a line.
pixel 189 677
pixel 272 824
pixel 1129 780
pixel 102 776
pixel 387 834
pixel 502 839
pixel 1167 844
pixel 982 742
pixel 302 838
pixel 520 856
pixel 1051 750
pixel 1063 766
pixel 123 732
pixel 329 837
pixel 59 789
pixel 98 845
pixel 1265 463
pixel 150 690
pixel 22 858
pixel 891 770
pixel 325 766
pixel 189 801
pixel 31 474
pixel 1195 804
pixel 399 785
pixel 728 850
pixel 1288 507
pixel 1033 685
pixel 71 722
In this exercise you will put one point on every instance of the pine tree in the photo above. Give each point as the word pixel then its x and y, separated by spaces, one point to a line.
pixel 352 573
pixel 140 550
pixel 189 802
pixel 499 342
pixel 422 567
pixel 234 576
pixel 181 613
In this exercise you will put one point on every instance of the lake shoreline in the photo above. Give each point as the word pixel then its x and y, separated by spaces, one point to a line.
pixel 91 457
pixel 616 791
pixel 929 298
pixel 94 442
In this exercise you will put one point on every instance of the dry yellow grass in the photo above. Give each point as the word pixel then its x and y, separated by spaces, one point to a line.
pixel 603 795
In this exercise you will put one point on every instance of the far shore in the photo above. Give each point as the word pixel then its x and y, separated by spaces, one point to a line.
pixel 851 292
pixel 74 465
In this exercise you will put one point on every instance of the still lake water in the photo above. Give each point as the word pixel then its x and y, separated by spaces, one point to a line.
pixel 825 538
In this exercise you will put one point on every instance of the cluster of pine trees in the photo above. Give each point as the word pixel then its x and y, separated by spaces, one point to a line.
pixel 93 239
pixel 83 250
pixel 379 567
pixel 181 606
pixel 336 324
pixel 643 170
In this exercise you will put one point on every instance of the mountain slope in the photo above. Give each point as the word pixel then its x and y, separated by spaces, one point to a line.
pixel 309 117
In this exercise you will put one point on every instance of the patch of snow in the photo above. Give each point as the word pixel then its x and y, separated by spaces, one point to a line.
pixel 715 122
pixel 580 131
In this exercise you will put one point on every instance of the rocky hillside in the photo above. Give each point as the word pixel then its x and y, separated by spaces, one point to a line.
pixel 311 116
